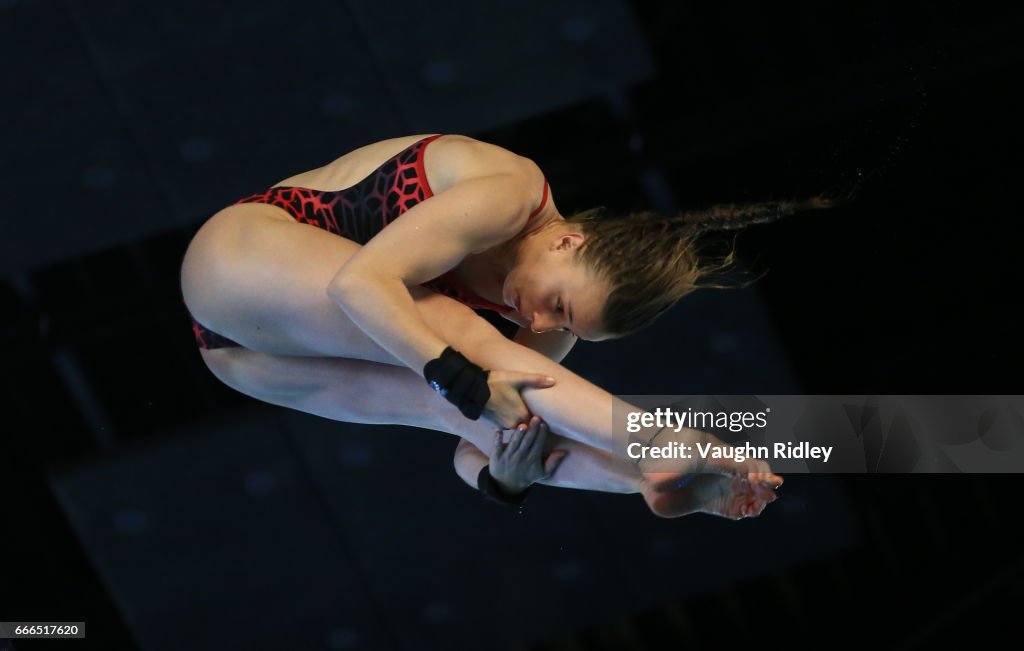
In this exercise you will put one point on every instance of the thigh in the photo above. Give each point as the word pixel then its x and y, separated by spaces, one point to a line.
pixel 349 390
pixel 262 281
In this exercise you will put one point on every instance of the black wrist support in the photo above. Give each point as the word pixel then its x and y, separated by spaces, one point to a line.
pixel 460 381
pixel 489 488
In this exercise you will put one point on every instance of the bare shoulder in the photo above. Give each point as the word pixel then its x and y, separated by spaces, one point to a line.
pixel 467 158
pixel 470 152
pixel 449 159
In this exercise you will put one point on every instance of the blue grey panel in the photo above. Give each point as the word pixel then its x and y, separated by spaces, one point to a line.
pixel 469 66
pixel 152 116
pixel 229 99
pixel 449 568
pixel 73 178
pixel 720 342
pixel 218 540
pixel 292 530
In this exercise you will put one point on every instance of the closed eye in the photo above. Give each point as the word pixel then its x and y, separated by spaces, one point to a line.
pixel 561 310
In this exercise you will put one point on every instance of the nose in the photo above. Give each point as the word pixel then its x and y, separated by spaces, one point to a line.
pixel 539 325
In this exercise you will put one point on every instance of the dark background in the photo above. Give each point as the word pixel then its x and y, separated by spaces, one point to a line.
pixel 166 511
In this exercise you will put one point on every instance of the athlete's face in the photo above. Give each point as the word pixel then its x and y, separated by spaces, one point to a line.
pixel 553 290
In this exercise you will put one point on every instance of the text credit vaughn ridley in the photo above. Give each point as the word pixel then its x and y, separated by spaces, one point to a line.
pixel 664 418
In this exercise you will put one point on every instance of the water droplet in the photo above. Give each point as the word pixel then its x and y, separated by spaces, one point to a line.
pixel 196 149
pixel 568 571
pixel 337 105
pixel 355 456
pixel 260 483
pixel 578 29
pixel 440 72
pixel 437 612
pixel 131 521
pixel 342 638
pixel 98 177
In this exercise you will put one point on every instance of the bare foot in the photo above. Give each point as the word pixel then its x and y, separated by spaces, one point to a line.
pixel 705 455
pixel 722 495
pixel 667 478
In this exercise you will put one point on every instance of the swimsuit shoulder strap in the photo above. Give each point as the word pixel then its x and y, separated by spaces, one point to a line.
pixel 543 200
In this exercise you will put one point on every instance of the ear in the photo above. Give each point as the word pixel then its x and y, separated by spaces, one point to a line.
pixel 567 241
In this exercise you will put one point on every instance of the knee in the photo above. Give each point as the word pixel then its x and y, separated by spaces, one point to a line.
pixel 218 361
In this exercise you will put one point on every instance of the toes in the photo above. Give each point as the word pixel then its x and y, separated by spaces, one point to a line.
pixel 765 493
pixel 769 479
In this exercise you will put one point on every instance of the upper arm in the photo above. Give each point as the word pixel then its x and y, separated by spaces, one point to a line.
pixel 433 236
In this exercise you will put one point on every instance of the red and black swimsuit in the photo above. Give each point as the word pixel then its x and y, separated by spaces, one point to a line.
pixel 362 211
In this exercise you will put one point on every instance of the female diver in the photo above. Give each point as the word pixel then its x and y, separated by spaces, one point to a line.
pixel 338 290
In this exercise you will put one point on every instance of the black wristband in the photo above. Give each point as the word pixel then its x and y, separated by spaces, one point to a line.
pixel 460 381
pixel 489 487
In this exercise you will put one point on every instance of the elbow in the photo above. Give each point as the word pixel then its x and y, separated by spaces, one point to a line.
pixel 462 464
pixel 460 452
pixel 343 285
pixel 460 468
pixel 350 284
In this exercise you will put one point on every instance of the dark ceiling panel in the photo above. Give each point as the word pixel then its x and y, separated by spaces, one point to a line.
pixel 74 178
pixel 217 540
pixel 228 99
pixel 468 66
pixel 151 117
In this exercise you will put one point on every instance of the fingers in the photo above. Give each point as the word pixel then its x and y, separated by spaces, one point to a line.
pixel 515 441
pixel 525 450
pixel 532 449
pixel 514 423
pixel 528 439
pixel 534 380
pixel 531 437
pixel 504 422
pixel 538 434
pixel 553 461
pixel 506 408
pixel 498 447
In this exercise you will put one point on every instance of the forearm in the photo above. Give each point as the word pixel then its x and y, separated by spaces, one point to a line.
pixel 573 407
pixel 468 462
pixel 385 310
